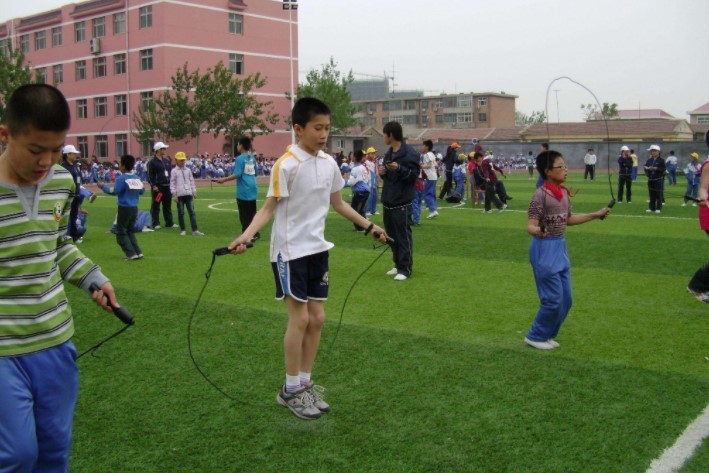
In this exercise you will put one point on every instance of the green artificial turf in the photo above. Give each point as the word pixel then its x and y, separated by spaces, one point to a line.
pixel 426 375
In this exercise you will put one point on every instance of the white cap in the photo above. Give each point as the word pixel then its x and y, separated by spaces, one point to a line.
pixel 625 148
pixel 654 148
pixel 69 149
pixel 159 145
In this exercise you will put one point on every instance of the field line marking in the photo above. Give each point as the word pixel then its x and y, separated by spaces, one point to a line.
pixel 673 458
pixel 214 207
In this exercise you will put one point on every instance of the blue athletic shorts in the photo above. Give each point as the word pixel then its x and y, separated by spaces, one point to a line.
pixel 303 278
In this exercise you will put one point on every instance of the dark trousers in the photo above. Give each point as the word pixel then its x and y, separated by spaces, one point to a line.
pixel 501 191
pixel 627 182
pixel 654 188
pixel 490 197
pixel 73 215
pixel 397 223
pixel 182 202
pixel 166 202
pixel 247 211
pixel 590 169
pixel 359 200
pixel 447 184
pixel 700 280
pixel 125 231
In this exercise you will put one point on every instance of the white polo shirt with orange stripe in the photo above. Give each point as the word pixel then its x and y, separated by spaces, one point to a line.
pixel 302 184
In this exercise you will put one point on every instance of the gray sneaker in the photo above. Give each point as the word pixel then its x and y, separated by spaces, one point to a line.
pixel 316 393
pixel 300 403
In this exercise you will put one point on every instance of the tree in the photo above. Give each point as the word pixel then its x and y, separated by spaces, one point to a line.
pixel 330 86
pixel 13 73
pixel 214 102
pixel 591 111
pixel 522 119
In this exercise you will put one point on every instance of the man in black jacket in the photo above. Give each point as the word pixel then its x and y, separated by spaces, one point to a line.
pixel 159 179
pixel 399 171
pixel 449 161
pixel 625 175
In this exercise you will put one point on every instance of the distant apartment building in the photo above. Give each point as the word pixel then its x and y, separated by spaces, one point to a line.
pixel 699 121
pixel 111 58
pixel 465 110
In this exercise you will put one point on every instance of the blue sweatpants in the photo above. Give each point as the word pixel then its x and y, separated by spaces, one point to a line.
pixel 371 206
pixel 552 273
pixel 37 398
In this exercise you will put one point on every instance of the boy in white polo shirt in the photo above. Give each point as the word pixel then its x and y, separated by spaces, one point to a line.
pixel 305 182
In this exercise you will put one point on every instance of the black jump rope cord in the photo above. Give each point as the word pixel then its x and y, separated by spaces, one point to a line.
pixel 225 250
pixel 120 312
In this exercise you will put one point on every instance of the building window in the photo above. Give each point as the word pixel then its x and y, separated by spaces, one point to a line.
pixel 703 120
pixel 446 118
pixel 82 144
pixel 4 46
pixel 482 102
pixel 465 117
pixel 146 101
pixel 119 23
pixel 99 27
pixel 424 105
pixel 99 67
pixel 396 105
pixel 56 36
pixel 372 107
pixel 82 109
pixel 410 120
pixel 79 31
pixel 424 120
pixel 25 43
pixel 121 144
pixel 236 23
pixel 121 104
pixel 100 107
pixel 80 69
pixel 373 122
pixel 146 17
pixel 396 118
pixel 410 105
pixel 40 75
pixel 439 104
pixel 385 106
pixel 146 60
pixel 58 73
pixel 101 146
pixel 465 101
pixel 119 64
pixel 482 117
pixel 40 40
pixel 236 63
pixel 146 148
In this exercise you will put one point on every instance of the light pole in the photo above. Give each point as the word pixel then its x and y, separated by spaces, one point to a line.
pixel 291 5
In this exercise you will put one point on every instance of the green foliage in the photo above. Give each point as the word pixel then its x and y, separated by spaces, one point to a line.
pixel 592 112
pixel 522 119
pixel 13 73
pixel 427 375
pixel 330 86
pixel 214 102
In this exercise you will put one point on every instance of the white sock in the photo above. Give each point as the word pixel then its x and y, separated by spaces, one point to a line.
pixel 304 378
pixel 292 383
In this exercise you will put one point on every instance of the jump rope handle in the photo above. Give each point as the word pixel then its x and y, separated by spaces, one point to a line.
pixel 390 240
pixel 610 206
pixel 224 250
pixel 120 312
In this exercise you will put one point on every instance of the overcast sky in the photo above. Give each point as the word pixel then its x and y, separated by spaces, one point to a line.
pixel 637 53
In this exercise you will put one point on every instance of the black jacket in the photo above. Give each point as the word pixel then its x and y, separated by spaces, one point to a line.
pixel 157 175
pixel 400 185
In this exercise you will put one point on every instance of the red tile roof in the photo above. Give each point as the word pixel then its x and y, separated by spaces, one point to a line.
pixel 703 109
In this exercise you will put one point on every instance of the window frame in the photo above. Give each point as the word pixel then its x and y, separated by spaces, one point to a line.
pixel 79 31
pixel 145 17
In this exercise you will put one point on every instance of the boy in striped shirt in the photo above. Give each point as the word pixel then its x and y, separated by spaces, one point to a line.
pixel 38 374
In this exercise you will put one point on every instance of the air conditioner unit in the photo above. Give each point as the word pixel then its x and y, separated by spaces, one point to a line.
pixel 95 46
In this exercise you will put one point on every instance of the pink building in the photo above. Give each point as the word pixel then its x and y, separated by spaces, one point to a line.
pixel 110 57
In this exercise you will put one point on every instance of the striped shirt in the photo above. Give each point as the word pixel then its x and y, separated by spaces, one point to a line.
pixel 35 260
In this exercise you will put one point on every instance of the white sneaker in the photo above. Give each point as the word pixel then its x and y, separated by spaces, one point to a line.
pixel 648 211
pixel 553 343
pixel 539 345
pixel 197 233
pixel 400 277
pixel 392 272
pixel 156 227
pixel 183 233
pixel 684 205
pixel 694 204
pixel 504 206
pixel 433 214
pixel 658 211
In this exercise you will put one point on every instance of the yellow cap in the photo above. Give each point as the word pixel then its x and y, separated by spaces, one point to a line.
pixel 694 155
pixel 180 155
pixel 371 150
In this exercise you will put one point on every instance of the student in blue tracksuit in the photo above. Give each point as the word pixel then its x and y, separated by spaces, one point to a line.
pixel 548 215
pixel 128 188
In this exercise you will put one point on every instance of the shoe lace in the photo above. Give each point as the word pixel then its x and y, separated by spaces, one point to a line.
pixel 306 398
pixel 316 392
